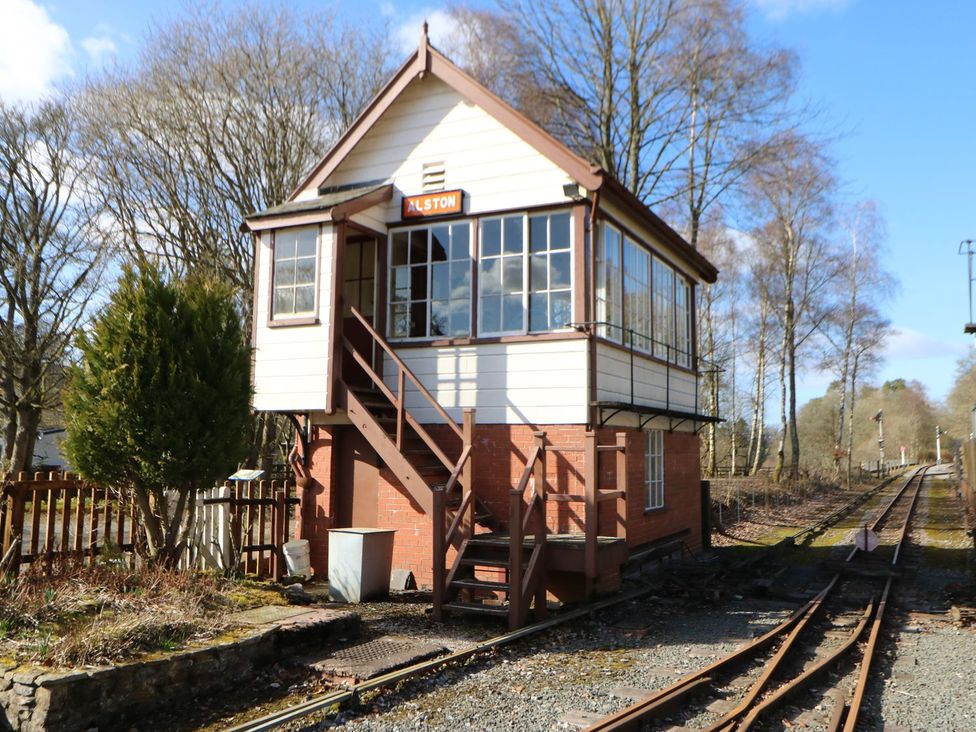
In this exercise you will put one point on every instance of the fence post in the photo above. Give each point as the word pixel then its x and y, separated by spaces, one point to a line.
pixel 439 559
pixel 222 519
pixel 278 531
pixel 15 529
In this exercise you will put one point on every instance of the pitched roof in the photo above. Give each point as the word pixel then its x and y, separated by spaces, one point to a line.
pixel 428 60
pixel 332 206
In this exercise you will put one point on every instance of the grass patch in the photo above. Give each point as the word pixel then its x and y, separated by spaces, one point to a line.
pixel 81 616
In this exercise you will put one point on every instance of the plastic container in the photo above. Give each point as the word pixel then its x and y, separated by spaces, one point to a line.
pixel 297 558
pixel 359 563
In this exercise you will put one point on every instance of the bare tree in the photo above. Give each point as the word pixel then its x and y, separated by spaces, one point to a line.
pixel 221 116
pixel 50 264
pixel 791 193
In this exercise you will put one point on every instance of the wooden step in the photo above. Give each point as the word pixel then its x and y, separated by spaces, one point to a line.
pixel 477 584
pixel 477 608
pixel 487 562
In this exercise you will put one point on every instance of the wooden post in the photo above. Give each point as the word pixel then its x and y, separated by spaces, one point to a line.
pixel 440 559
pixel 515 611
pixel 93 525
pixel 401 412
pixel 467 474
pixel 15 527
pixel 622 485
pixel 278 531
pixel 66 520
pixel 223 520
pixel 590 517
pixel 539 501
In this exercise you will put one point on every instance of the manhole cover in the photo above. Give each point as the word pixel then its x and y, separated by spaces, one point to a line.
pixel 373 658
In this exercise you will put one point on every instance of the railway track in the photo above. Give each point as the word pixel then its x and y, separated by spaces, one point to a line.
pixel 855 578
pixel 661 703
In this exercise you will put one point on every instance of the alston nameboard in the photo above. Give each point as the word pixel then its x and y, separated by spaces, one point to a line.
pixel 428 205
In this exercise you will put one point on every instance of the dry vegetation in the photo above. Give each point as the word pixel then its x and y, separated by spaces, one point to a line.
pixel 82 616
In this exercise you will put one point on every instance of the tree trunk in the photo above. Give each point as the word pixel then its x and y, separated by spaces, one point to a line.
pixel 22 455
pixel 850 420
pixel 759 415
pixel 780 450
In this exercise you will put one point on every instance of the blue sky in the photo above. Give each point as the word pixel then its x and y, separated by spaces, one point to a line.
pixel 893 81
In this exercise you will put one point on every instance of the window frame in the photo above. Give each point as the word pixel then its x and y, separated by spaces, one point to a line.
pixel 304 317
pixel 526 255
pixel 654 485
pixel 427 226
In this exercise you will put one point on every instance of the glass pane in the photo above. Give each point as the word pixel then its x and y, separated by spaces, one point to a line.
pixel 350 294
pixel 460 241
pixel 285 272
pixel 369 258
pixel 559 231
pixel 491 280
pixel 305 299
pixel 512 277
pixel 399 255
pixel 439 318
pixel 561 313
pixel 440 280
pixel 398 321
pixel 560 270
pixel 439 242
pixel 491 238
pixel 513 235
pixel 460 281
pixel 491 313
pixel 538 276
pixel 284 301
pixel 305 271
pixel 306 242
pixel 418 282
pixel 401 283
pixel 350 264
pixel 512 312
pixel 418 319
pixel 284 246
pixel 538 237
pixel 539 312
pixel 460 318
pixel 418 246
pixel 367 297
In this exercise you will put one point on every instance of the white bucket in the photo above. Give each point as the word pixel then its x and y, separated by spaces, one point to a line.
pixel 296 558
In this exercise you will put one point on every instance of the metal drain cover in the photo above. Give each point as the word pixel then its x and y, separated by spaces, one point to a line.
pixel 373 658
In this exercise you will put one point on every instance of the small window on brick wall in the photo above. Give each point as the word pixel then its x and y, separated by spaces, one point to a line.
pixel 654 470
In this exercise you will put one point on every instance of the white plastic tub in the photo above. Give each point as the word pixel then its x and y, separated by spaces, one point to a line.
pixel 297 558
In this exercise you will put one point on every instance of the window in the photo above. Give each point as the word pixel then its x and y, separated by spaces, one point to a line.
pixel 663 289
pixel 359 276
pixel 550 272
pixel 637 295
pixel 654 470
pixel 502 275
pixel 609 303
pixel 683 311
pixel 430 281
pixel 294 272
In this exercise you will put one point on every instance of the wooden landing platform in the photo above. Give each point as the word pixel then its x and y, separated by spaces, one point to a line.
pixel 565 552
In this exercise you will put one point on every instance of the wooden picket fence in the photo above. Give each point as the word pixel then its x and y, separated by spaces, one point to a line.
pixel 56 516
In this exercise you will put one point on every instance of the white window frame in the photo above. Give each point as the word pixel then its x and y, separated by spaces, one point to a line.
pixel 428 227
pixel 295 231
pixel 526 265
pixel 653 470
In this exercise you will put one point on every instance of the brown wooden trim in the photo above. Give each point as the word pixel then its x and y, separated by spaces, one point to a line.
pixel 475 268
pixel 694 326
pixel 286 221
pixel 595 242
pixel 646 356
pixel 563 335
pixel 292 322
pixel 363 229
pixel 335 323
pixel 343 211
pixel 475 216
pixel 255 283
pixel 580 300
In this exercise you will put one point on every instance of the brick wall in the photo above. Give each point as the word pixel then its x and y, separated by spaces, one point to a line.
pixel 500 455
pixel 317 508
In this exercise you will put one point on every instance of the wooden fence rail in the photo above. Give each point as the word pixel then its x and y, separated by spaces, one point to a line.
pixel 53 517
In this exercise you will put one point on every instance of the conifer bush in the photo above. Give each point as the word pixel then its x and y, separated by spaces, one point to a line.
pixel 159 403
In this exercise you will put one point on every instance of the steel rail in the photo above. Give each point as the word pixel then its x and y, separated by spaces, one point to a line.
pixel 631 717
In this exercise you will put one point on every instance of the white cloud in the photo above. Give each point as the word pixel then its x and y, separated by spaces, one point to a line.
pixel 441 28
pixel 97 47
pixel 782 9
pixel 35 52
pixel 908 343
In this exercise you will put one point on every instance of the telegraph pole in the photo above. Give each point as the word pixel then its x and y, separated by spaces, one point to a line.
pixel 879 418
pixel 938 444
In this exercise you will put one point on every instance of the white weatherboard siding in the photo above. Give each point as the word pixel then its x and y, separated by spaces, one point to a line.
pixel 291 364
pixel 430 122
pixel 537 382
pixel 650 381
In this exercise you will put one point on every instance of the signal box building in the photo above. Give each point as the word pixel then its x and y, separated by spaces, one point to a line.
pixel 486 344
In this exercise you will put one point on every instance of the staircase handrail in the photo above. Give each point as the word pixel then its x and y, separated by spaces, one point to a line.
pixel 523 585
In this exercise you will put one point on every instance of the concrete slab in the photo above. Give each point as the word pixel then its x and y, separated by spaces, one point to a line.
pixel 577 719
pixel 630 692
pixel 371 659
pixel 268 614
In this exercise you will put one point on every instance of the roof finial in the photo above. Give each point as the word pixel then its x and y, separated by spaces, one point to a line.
pixel 423 34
